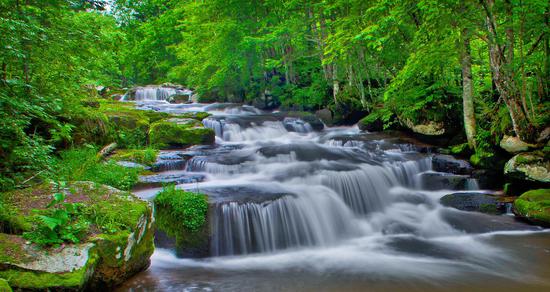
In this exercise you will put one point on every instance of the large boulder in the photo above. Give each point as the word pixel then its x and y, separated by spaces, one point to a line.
pixel 449 164
pixel 116 243
pixel 179 133
pixel 429 128
pixel 534 206
pixel 325 115
pixel 514 145
pixel 532 166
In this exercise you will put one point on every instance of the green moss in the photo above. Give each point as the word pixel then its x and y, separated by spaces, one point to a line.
pixel 193 115
pixel 142 156
pixel 488 208
pixel 187 208
pixel 165 134
pixel 75 280
pixel 534 205
pixel 112 212
pixel 43 281
pixel 4 286
pixel 482 159
pixel 459 149
pixel 11 250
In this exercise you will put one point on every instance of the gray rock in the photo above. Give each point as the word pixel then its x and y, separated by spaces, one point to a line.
pixel 447 163
pixel 514 145
pixel 474 201
pixel 532 166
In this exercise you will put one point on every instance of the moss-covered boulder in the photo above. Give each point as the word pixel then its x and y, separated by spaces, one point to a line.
pixel 183 216
pixel 179 133
pixel 534 206
pixel 116 243
pixel 532 166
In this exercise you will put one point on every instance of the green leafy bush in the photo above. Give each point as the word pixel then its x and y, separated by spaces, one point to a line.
pixel 186 207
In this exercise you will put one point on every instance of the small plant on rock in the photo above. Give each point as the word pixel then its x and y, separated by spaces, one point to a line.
pixel 60 222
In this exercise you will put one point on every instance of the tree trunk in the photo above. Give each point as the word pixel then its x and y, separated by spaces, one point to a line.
pixel 468 90
pixel 503 77
pixel 335 84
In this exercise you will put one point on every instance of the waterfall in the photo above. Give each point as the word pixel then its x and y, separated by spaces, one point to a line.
pixel 154 93
pixel 316 218
pixel 233 132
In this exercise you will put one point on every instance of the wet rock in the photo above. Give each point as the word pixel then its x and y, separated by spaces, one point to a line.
pixel 325 115
pixel 242 194
pixel 131 164
pixel 475 201
pixel 158 180
pixel 444 181
pixel 532 166
pixel 447 163
pixel 476 222
pixel 108 255
pixel 534 206
pixel 514 145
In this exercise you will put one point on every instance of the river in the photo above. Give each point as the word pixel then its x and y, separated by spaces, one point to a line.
pixel 296 208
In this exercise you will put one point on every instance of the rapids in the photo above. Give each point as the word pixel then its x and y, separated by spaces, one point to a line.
pixel 337 209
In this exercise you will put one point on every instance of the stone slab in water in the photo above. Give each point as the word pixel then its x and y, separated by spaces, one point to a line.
pixel 157 180
pixel 473 201
pixel 242 194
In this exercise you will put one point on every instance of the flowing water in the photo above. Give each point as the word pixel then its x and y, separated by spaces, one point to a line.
pixel 295 209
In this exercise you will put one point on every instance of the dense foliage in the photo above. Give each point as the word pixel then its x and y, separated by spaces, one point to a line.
pixel 397 61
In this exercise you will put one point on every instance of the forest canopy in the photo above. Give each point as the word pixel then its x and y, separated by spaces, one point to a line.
pixel 393 61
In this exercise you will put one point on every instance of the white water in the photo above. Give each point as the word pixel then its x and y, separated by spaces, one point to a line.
pixel 325 202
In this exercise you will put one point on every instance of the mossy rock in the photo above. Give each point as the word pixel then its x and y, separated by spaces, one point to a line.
pixel 141 156
pixel 534 206
pixel 117 243
pixel 4 286
pixel 179 133
pixel 193 115
pixel 532 166
pixel 183 216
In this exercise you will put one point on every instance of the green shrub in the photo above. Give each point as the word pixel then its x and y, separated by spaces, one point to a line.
pixel 187 208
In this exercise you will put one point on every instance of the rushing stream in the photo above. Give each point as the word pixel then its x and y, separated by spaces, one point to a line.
pixel 295 209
